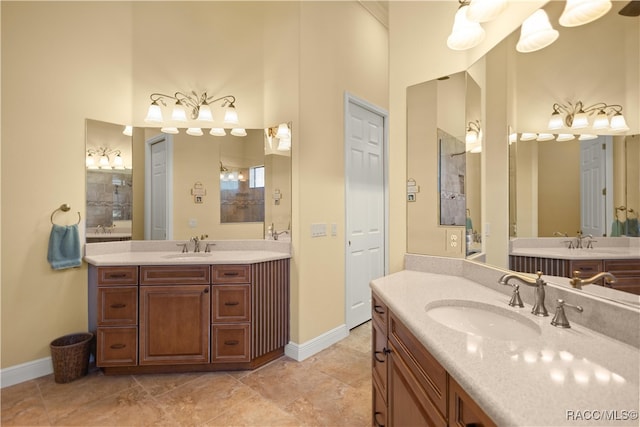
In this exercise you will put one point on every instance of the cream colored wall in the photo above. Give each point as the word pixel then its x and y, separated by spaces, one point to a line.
pixel 527 189
pixel 69 62
pixel 342 48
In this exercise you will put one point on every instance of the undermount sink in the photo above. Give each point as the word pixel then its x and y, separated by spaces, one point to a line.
pixel 187 256
pixel 483 320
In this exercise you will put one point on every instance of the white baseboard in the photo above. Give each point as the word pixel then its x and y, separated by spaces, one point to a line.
pixel 300 352
pixel 41 367
pixel 25 371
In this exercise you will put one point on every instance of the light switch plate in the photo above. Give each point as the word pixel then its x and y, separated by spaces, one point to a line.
pixel 318 230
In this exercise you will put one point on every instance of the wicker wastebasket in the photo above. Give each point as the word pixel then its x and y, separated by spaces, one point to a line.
pixel 70 356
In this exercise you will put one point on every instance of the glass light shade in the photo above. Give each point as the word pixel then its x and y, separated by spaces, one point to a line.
pixel 536 33
pixel 231 116
pixel 471 137
pixel 118 163
pixel 580 120
pixel 240 176
pixel 586 137
pixel 217 132
pixel 465 34
pixel 565 137
pixel 204 113
pixel 580 12
pixel 618 123
pixel 238 132
pixel 194 131
pixel 513 137
pixel 476 149
pixel 485 10
pixel 104 162
pixel 90 162
pixel 170 130
pixel 154 114
pixel 555 121
pixel 601 121
pixel 284 144
pixel 179 113
pixel 128 130
pixel 283 131
pixel 545 137
pixel 528 136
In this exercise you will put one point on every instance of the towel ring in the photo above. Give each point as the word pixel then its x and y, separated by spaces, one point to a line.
pixel 64 208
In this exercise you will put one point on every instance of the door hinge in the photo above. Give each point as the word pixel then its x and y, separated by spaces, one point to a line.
pixel 604 191
pixel 604 147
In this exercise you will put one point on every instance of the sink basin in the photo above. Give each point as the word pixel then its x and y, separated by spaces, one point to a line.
pixel 483 320
pixel 187 256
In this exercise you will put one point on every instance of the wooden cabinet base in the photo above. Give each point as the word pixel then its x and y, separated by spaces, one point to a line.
pixel 200 367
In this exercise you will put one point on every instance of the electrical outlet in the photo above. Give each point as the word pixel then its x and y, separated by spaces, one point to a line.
pixel 453 241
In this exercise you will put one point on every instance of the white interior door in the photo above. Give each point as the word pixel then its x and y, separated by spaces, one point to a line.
pixel 158 189
pixel 365 206
pixel 596 176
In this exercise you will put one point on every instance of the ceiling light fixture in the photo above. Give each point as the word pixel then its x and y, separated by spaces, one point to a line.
pixel 193 108
pixel 576 116
pixel 465 34
pixel 580 12
pixel 536 33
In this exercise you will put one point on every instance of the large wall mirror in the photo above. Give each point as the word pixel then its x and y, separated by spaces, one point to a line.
pixel 155 186
pixel 544 176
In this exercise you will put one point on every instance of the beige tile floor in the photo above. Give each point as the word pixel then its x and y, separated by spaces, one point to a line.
pixel 332 388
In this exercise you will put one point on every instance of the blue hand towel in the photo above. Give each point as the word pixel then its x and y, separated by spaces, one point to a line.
pixel 64 247
pixel 632 227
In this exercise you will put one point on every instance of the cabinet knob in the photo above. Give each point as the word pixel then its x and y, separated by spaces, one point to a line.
pixel 206 290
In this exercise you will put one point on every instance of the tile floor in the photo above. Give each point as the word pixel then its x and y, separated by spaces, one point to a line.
pixel 332 388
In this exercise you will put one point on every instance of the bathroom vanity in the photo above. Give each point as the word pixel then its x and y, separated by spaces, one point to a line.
pixel 432 366
pixel 164 311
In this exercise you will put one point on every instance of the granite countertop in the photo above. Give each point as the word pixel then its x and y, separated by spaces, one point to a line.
pixel 578 254
pixel 168 253
pixel 555 378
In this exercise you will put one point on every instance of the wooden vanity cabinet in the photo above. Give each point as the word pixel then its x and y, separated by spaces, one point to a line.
pixel 231 313
pixel 174 314
pixel 627 272
pixel 417 390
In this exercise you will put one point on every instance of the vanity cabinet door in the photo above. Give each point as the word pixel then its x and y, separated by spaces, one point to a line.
pixel 174 324
pixel 627 272
pixel 586 267
pixel 463 411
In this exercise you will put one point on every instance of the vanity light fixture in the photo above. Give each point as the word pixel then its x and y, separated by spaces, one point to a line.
pixel 282 133
pixel 473 134
pixel 99 159
pixel 465 33
pixel 528 136
pixel 193 108
pixel 576 116
pixel 587 137
pixel 564 137
pixel 536 33
pixel 128 130
pixel 580 12
pixel 545 137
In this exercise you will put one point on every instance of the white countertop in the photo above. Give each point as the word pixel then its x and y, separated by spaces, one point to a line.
pixel 168 253
pixel 538 381
pixel 556 247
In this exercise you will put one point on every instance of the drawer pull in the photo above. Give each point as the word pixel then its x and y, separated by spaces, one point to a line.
pixel 231 342
pixel 231 303
pixel 375 418
pixel 230 273
pixel 117 275
pixel 384 351
pixel 118 305
pixel 118 346
pixel 378 309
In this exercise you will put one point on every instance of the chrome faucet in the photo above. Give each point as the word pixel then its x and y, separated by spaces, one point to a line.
pixel 577 282
pixel 580 238
pixel 196 244
pixel 538 307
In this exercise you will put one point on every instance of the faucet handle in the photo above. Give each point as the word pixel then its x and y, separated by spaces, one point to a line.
pixel 516 301
pixel 560 319
pixel 207 248
pixel 184 247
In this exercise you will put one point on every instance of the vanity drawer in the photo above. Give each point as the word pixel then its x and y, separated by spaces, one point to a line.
pixel 587 267
pixel 230 343
pixel 118 306
pixel 110 276
pixel 231 303
pixel 117 346
pixel 175 275
pixel 231 274
pixel 431 376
